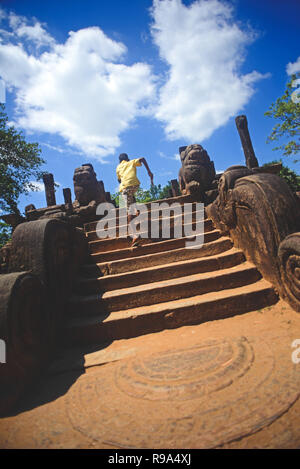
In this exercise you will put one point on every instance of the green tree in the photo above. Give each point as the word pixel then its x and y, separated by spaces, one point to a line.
pixel 5 233
pixel 286 110
pixel 290 176
pixel 19 164
pixel 156 192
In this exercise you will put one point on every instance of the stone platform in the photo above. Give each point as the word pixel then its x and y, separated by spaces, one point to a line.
pixel 229 383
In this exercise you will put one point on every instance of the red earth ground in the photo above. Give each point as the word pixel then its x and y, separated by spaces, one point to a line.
pixel 229 383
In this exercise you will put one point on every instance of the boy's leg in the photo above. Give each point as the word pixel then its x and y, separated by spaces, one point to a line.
pixel 129 193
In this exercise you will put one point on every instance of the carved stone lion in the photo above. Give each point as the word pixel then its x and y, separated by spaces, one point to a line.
pixel 197 171
pixel 86 186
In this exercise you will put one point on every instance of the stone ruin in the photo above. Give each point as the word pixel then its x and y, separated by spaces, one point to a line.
pixel 197 176
pixel 262 217
pixel 86 187
pixel 250 204
pixel 88 194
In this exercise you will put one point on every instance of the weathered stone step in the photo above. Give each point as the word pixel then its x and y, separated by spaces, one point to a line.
pixel 159 273
pixel 156 259
pixel 151 248
pixel 169 315
pixel 173 220
pixel 159 292
pixel 111 244
pixel 91 226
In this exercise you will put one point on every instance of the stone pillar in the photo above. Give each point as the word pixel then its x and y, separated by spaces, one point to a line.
pixel 67 196
pixel 101 197
pixel 68 199
pixel 49 189
pixel 101 185
pixel 175 188
pixel 242 127
pixel 108 197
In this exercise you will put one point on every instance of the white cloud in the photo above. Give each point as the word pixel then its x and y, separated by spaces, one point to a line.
pixel 175 157
pixel 83 91
pixel 293 68
pixel 17 68
pixel 204 49
pixel 80 90
pixel 54 147
pixel 35 33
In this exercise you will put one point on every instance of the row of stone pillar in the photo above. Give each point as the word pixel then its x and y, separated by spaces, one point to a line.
pixel 49 183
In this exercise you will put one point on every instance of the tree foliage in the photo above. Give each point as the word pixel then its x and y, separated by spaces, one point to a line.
pixel 290 176
pixel 156 192
pixel 5 233
pixel 286 110
pixel 19 165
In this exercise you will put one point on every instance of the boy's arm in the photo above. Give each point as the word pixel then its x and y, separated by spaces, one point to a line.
pixel 143 161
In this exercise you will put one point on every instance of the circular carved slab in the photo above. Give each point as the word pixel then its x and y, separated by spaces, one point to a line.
pixel 197 397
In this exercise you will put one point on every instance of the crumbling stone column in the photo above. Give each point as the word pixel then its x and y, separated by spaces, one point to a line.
pixel 68 199
pixel 108 197
pixel 67 196
pixel 242 127
pixel 49 189
pixel 101 189
pixel 175 188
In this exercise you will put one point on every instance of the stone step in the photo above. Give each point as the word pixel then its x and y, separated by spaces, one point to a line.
pixel 111 244
pixel 162 291
pixel 91 226
pixel 151 248
pixel 156 259
pixel 158 273
pixel 169 315
pixel 173 220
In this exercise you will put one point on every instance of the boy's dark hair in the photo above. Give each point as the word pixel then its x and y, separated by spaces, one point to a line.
pixel 123 157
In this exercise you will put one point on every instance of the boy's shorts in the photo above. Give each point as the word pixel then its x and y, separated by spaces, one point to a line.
pixel 128 195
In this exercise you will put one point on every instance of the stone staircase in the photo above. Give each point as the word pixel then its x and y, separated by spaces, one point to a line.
pixel 126 292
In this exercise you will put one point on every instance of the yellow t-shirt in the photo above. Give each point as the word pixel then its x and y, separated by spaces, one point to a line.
pixel 126 173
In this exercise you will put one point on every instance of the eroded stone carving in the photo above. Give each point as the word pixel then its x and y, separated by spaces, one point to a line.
pixel 260 212
pixel 52 249
pixel 86 186
pixel 289 258
pixel 44 258
pixel 88 194
pixel 197 171
pixel 23 328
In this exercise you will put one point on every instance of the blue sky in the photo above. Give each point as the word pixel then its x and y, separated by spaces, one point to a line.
pixel 89 80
